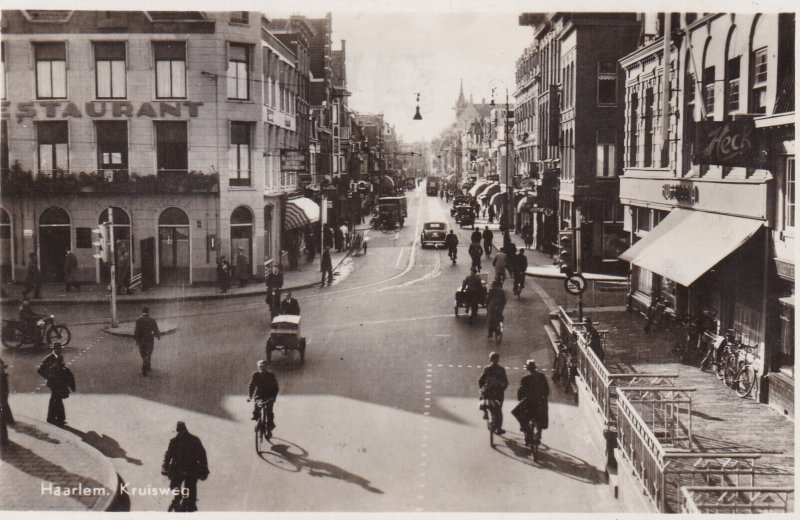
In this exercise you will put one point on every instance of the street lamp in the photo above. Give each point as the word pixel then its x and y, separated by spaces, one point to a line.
pixel 417 116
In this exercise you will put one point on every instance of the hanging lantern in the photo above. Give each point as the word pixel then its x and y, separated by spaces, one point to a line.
pixel 417 116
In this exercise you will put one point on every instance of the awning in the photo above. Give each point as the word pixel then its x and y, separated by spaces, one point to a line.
pixel 686 244
pixel 498 199
pixel 479 187
pixel 489 192
pixel 299 212
pixel 525 203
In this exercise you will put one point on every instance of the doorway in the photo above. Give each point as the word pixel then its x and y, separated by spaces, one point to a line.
pixel 54 242
pixel 173 247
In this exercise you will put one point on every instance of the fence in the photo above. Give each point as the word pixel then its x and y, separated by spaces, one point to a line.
pixel 736 500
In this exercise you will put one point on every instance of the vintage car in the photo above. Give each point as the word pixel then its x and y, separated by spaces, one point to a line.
pixel 433 234
pixel 465 216
pixel 460 200
pixel 285 336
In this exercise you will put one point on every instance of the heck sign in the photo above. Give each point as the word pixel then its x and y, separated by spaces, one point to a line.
pixel 727 142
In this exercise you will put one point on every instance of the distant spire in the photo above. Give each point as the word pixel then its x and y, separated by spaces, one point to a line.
pixel 470 99
pixel 461 103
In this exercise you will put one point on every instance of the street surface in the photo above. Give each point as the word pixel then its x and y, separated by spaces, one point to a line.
pixel 383 415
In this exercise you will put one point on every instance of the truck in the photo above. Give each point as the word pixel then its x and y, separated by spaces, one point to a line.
pixel 395 205
pixel 433 185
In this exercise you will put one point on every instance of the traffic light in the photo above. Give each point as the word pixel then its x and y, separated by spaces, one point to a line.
pixel 566 253
pixel 102 245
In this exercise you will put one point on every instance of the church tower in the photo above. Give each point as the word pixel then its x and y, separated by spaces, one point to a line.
pixel 461 103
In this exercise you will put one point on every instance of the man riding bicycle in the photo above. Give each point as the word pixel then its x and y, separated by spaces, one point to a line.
pixel 495 304
pixel 475 253
pixel 29 321
pixel 472 287
pixel 263 387
pixel 532 394
pixel 493 383
pixel 452 245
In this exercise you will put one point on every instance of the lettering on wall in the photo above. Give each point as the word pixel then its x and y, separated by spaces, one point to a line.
pixel 113 109
pixel 727 143
pixel 684 193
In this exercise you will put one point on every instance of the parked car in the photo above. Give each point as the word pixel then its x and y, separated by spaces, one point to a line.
pixel 433 234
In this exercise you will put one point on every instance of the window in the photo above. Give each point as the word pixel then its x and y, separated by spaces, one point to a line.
pixel 648 128
pixel 238 70
pixel 109 60
pixel 51 70
pixel 691 87
pixel 52 139
pixel 112 145
pixel 789 194
pixel 240 17
pixel 170 60
pixel 642 220
pixel 606 152
pixel 733 84
pixel 633 130
pixel 240 154
pixel 708 90
pixel 613 212
pixel 607 82
pixel 172 152
pixel 759 91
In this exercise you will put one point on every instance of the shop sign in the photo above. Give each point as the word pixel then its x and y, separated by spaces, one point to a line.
pixel 293 161
pixel 727 143
pixel 27 232
pixel 58 109
pixel 785 269
pixel 683 193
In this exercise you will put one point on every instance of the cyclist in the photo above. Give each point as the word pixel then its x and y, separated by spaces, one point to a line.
pixel 452 245
pixel 475 253
pixel 493 383
pixel 520 266
pixel 29 320
pixel 532 395
pixel 472 287
pixel 495 304
pixel 289 305
pixel 263 387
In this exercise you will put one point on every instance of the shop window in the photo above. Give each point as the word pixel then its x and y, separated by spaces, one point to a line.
pixel 668 291
pixel 613 212
pixel 789 194
pixel 785 357
pixel 606 152
pixel 172 151
pixel 238 71
pixel 642 280
pixel 642 220
pixel 733 84
pixel 607 82
pixel 240 166
pixel 51 70
pixel 648 128
pixel 170 58
pixel 759 91
pixel 53 148
pixel 109 61
pixel 112 145
pixel 83 238
pixel 709 78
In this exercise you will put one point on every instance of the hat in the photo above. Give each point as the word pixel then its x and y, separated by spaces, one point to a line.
pixel 180 427
pixel 493 356
pixel 530 364
pixel 145 309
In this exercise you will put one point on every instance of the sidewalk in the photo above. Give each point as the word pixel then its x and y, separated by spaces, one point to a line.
pixel 306 275
pixel 47 468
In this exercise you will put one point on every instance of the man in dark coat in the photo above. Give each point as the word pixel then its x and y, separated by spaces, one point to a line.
pixel 491 213
pixel 71 271
pixel 33 278
pixel 594 340
pixel 527 235
pixel 495 304
pixel 476 236
pixel 274 283
pixel 475 253
pixel 493 383
pixel 144 333
pixel 264 387
pixel 242 268
pixel 184 463
pixel 520 267
pixel 452 245
pixel 223 274
pixel 60 381
pixel 532 394
pixel 326 266
pixel 289 305
pixel 488 236
pixel 123 268
pixel 472 287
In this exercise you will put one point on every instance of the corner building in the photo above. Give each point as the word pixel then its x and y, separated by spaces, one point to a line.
pixel 170 118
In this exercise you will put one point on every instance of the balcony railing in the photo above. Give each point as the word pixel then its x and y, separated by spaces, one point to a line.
pixel 736 500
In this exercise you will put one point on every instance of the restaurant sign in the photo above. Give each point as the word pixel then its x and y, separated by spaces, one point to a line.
pixel 58 109
pixel 684 193
pixel 293 161
pixel 727 143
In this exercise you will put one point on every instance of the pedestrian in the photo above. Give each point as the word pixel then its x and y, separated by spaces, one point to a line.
pixel 492 384
pixel 595 344
pixel 242 268
pixel 184 463
pixel 274 282
pixel 123 268
pixel 326 266
pixel 345 231
pixel 71 271
pixel 527 235
pixel 488 236
pixel 491 213
pixel 327 236
pixel 144 334
pixel 60 381
pixel 500 261
pixel 338 238
pixel 5 409
pixel 289 305
pixel 223 274
pixel 33 278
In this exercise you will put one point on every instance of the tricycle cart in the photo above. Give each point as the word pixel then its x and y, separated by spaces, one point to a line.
pixel 285 336
pixel 462 300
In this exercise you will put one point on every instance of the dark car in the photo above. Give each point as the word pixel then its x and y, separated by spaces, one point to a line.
pixel 433 234
pixel 460 200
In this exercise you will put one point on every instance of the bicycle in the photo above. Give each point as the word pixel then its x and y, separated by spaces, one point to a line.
pixel 491 409
pixel 496 330
pixel 745 380
pixel 533 438
pixel 691 331
pixel 564 369
pixel 262 430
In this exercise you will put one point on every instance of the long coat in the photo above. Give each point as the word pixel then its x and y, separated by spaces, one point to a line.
pixel 242 267
pixel 532 394
pixel 185 456
pixel 70 267
pixel 495 303
pixel 325 263
pixel 33 276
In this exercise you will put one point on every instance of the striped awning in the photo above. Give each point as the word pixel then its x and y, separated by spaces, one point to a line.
pixel 499 198
pixel 489 192
pixel 478 188
pixel 525 203
pixel 299 212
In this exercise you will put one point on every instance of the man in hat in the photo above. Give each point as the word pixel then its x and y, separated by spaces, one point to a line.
pixel 223 274
pixel 274 282
pixel 532 394
pixel 184 463
pixel 263 387
pixel 242 268
pixel 326 266
pixel 289 305
pixel 71 271
pixel 493 383
pixel 60 381
pixel 144 334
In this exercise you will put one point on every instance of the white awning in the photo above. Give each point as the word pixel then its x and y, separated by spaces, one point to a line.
pixel 473 191
pixel 499 198
pixel 691 243
pixel 299 212
pixel 489 191
pixel 526 200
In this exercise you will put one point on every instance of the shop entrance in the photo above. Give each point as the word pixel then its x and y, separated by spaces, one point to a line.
pixel 54 242
pixel 173 247
pixel 242 235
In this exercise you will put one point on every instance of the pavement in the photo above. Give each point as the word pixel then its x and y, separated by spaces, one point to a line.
pixel 54 469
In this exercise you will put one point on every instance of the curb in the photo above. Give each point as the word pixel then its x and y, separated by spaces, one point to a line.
pixel 110 479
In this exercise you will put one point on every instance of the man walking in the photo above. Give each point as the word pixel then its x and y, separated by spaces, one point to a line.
pixel 326 266
pixel 144 334
pixel 71 271
pixel 242 268
pixel 184 463
pixel 493 383
pixel 223 274
pixel 33 278
pixel 488 236
pixel 60 381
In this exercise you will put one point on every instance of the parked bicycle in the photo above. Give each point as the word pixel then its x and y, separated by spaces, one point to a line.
pixel 564 370
pixel 686 347
pixel 655 314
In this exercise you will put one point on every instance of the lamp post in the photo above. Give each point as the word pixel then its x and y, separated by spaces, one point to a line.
pixel 509 208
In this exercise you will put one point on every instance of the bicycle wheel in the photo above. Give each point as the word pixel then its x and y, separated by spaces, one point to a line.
pixel 12 337
pixel 259 435
pixel 490 426
pixel 745 381
pixel 719 366
pixel 730 371
pixel 59 333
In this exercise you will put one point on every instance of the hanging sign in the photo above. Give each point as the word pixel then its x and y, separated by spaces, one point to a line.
pixel 727 143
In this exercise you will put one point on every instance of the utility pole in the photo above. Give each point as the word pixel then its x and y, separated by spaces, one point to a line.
pixel 509 177
pixel 113 262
